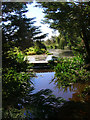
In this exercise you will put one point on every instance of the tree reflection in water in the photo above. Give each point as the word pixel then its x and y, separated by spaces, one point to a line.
pixel 77 91
pixel 41 106
pixel 45 106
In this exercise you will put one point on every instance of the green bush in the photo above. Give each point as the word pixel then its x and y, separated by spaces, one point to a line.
pixel 40 45
pixel 16 59
pixel 16 81
pixel 43 50
pixel 15 53
pixel 30 51
pixel 49 53
pixel 70 70
pixel 40 51
pixel 34 51
pixel 15 85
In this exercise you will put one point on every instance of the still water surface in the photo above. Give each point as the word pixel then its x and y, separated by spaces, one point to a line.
pixel 42 80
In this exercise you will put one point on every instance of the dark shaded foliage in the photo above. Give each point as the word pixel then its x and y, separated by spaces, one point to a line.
pixel 71 18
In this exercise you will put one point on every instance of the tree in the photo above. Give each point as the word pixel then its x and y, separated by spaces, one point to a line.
pixel 39 45
pixel 17 28
pixel 71 17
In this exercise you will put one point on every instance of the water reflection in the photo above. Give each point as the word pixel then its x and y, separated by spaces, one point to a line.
pixel 73 109
pixel 61 53
pixel 48 107
pixel 42 105
pixel 43 81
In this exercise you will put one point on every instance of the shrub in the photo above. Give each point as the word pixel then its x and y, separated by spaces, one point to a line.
pixel 16 59
pixel 49 53
pixel 34 51
pixel 30 53
pixel 15 85
pixel 43 50
pixel 70 70
pixel 15 53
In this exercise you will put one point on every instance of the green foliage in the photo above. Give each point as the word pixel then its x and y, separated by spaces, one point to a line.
pixel 57 42
pixel 14 84
pixel 16 54
pixel 61 40
pixel 78 46
pixel 15 88
pixel 70 70
pixel 19 29
pixel 51 43
pixel 86 92
pixel 87 89
pixel 71 18
pixel 13 113
pixel 39 48
pixel 49 53
pixel 39 45
pixel 16 59
pixel 34 51
pixel 40 51
pixel 52 63
pixel 61 44
pixel 30 51
pixel 16 81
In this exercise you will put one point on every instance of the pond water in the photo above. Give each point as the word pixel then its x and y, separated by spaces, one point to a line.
pixel 43 79
pixel 45 58
pixel 61 53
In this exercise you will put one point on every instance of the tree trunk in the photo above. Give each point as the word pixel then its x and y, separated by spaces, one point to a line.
pixel 84 32
pixel 86 42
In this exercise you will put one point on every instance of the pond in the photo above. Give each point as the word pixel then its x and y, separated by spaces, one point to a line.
pixel 74 106
pixel 61 53
pixel 44 76
pixel 43 79
pixel 45 58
